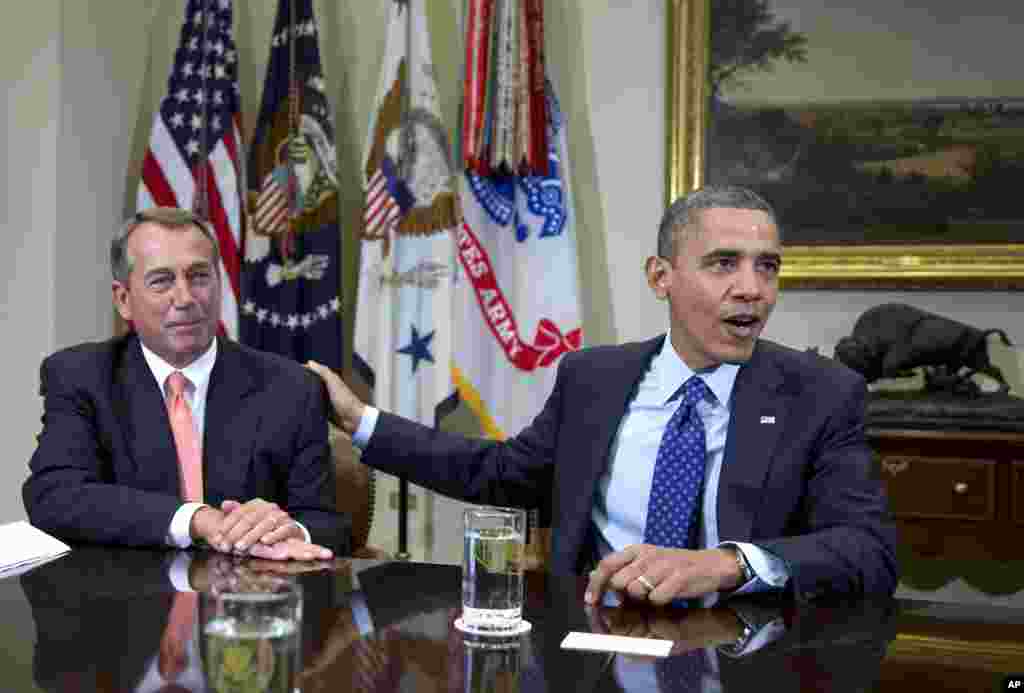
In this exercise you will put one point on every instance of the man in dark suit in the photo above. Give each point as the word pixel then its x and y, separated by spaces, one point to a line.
pixel 788 497
pixel 110 467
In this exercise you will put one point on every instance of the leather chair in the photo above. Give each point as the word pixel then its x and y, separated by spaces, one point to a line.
pixel 538 550
pixel 355 491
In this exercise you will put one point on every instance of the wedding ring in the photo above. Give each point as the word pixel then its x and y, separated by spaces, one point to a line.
pixel 645 582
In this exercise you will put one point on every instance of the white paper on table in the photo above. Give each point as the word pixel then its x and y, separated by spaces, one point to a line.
pixel 22 546
pixel 597 642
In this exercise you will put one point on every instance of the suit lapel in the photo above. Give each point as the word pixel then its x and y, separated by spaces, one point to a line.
pixel 760 406
pixel 229 430
pixel 617 387
pixel 598 404
pixel 143 414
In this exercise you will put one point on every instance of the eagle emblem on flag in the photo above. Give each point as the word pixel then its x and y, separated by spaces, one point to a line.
pixel 291 274
pixel 408 169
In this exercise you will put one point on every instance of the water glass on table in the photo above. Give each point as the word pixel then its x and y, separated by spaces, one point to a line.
pixel 250 636
pixel 492 571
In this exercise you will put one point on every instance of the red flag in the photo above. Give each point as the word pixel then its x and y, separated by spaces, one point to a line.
pixel 192 161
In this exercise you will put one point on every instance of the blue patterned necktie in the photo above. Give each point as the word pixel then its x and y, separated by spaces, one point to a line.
pixel 681 673
pixel 676 489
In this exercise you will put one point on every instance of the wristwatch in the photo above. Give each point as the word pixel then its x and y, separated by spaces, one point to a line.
pixel 744 565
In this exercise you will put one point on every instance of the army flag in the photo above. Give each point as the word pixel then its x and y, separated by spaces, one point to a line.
pixel 291 274
pixel 403 315
pixel 517 307
pixel 192 161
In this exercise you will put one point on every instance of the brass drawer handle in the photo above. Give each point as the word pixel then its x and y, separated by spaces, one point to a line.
pixel 960 488
pixel 895 466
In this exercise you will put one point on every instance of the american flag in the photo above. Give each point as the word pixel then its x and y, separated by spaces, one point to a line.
pixel 274 203
pixel 387 200
pixel 193 157
pixel 276 200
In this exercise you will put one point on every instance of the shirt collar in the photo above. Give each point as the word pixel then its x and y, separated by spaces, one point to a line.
pixel 197 372
pixel 670 371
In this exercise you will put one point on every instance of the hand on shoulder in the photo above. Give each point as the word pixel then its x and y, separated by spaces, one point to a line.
pixel 347 409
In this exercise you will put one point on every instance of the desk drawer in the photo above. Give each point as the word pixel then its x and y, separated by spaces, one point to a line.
pixel 940 487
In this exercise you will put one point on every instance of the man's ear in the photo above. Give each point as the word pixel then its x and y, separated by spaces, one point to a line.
pixel 120 294
pixel 657 270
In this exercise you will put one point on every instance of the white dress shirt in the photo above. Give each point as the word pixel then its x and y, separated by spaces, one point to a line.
pixel 198 374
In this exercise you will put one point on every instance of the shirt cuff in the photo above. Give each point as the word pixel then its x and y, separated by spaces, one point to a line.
pixel 178 533
pixel 770 571
pixel 178 572
pixel 367 424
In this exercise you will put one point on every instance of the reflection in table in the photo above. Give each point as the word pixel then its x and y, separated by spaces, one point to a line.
pixel 98 614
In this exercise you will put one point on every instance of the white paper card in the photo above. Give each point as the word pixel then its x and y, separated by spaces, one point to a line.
pixel 597 642
pixel 23 546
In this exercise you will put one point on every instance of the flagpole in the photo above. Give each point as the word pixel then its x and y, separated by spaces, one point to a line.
pixel 403 483
pixel 200 204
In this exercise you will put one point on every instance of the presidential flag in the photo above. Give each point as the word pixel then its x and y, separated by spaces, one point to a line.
pixel 192 161
pixel 291 275
pixel 403 320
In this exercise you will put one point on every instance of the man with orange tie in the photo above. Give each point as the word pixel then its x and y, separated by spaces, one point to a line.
pixel 172 436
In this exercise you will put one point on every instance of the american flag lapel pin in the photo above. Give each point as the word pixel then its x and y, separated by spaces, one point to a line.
pixel 767 419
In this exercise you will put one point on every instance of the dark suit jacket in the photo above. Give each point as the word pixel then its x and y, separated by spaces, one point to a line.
pixel 105 469
pixel 797 479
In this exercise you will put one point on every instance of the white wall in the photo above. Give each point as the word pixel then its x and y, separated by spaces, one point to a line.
pixel 29 78
pixel 103 67
pixel 82 80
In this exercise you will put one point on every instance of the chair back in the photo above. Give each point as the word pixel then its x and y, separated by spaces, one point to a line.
pixel 538 550
pixel 355 487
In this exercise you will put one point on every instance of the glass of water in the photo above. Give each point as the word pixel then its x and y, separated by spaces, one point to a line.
pixel 251 635
pixel 492 571
pixel 487 670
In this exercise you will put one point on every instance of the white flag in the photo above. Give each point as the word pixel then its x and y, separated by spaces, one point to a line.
pixel 404 314
pixel 517 292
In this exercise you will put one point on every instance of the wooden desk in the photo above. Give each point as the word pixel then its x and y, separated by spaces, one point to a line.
pixel 955 494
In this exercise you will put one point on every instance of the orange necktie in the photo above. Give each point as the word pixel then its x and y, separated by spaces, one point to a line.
pixel 173 644
pixel 186 439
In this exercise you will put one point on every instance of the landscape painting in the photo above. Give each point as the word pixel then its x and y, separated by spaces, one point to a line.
pixel 872 122
pixel 868 125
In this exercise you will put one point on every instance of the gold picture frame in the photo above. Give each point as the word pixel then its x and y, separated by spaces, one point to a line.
pixel 918 266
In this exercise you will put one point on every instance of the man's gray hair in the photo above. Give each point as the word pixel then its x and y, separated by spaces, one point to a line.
pixel 680 213
pixel 121 261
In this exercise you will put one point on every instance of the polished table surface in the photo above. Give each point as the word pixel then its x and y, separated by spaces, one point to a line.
pixel 92 621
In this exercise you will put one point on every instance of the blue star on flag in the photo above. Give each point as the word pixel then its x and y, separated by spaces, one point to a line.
pixel 418 348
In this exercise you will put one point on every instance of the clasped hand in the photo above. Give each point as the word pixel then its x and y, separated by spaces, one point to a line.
pixel 256 528
pixel 659 575
pixel 212 573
